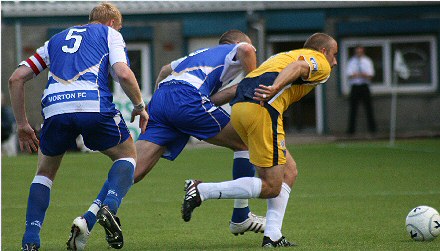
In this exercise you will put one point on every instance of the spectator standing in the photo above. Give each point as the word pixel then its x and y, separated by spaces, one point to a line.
pixel 360 71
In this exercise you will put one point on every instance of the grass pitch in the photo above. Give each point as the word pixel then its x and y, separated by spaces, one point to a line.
pixel 348 196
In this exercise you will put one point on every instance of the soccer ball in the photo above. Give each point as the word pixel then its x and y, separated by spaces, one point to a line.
pixel 423 223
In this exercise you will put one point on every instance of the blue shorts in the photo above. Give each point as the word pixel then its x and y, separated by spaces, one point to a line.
pixel 178 111
pixel 100 131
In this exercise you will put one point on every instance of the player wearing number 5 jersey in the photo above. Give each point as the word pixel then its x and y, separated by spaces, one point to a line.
pixel 77 100
pixel 80 60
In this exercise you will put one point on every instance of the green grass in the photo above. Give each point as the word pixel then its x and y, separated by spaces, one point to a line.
pixel 348 196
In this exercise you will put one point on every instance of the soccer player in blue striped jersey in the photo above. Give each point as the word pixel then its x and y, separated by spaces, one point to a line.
pixel 77 100
pixel 187 103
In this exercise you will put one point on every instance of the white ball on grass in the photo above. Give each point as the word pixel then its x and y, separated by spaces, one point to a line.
pixel 423 223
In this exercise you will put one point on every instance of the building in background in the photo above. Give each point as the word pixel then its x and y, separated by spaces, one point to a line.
pixel 157 32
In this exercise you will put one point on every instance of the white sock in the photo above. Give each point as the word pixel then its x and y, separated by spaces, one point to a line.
pixel 242 188
pixel 276 208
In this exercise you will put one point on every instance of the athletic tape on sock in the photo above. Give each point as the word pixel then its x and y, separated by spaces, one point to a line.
pixel 43 180
pixel 241 154
pixel 131 160
pixel 241 203
pixel 94 208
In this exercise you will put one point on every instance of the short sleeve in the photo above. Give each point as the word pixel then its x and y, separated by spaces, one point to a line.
pixel 232 67
pixel 176 62
pixel 116 46
pixel 39 61
pixel 369 66
pixel 319 67
pixel 350 67
pixel 231 57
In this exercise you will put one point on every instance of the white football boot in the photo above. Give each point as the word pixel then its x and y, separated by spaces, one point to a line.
pixel 254 223
pixel 78 235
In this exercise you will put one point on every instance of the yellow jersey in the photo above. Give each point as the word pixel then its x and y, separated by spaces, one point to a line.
pixel 267 72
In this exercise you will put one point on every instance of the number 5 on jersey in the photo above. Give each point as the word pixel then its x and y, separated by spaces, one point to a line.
pixel 77 42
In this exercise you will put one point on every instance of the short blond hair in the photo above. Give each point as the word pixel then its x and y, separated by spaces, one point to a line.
pixel 105 12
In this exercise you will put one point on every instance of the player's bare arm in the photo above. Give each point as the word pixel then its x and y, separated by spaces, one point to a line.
pixel 224 96
pixel 131 87
pixel 247 56
pixel 26 136
pixel 292 72
pixel 248 60
pixel 165 71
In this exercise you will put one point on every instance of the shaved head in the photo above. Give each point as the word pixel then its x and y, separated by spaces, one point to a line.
pixel 318 41
pixel 234 37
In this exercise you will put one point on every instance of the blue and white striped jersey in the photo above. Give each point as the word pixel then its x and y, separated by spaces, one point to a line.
pixel 80 60
pixel 207 69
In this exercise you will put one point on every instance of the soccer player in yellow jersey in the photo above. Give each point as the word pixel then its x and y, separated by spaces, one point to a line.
pixel 257 111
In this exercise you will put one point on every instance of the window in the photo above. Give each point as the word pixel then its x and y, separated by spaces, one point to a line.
pixel 403 64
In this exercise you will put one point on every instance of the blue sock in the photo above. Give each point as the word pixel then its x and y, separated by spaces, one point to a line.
pixel 38 202
pixel 120 179
pixel 241 168
pixel 90 215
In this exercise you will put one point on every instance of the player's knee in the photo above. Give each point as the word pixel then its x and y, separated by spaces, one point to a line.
pixel 290 172
pixel 271 189
pixel 274 191
pixel 292 169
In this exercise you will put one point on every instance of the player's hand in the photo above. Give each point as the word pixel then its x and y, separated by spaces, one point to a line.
pixel 143 118
pixel 27 138
pixel 264 93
